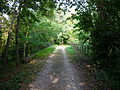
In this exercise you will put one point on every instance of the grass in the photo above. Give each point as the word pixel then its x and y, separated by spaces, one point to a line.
pixel 14 78
pixel 45 52
pixel 70 50
pixel 20 76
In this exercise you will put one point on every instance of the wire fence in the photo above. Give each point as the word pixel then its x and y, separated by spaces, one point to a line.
pixel 85 49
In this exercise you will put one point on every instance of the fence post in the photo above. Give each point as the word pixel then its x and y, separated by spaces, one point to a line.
pixel 86 50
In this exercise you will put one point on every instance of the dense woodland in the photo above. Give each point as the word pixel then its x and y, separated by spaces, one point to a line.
pixel 27 26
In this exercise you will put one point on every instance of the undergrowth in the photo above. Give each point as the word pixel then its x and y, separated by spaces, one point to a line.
pixel 13 78
pixel 102 80
pixel 70 50
pixel 45 52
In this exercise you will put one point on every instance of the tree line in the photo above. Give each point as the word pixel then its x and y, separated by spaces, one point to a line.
pixel 31 26
pixel 28 27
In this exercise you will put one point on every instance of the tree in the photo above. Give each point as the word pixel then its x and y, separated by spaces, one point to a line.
pixel 15 11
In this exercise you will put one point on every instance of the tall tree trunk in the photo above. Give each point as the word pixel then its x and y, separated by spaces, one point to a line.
pixel 5 50
pixel 16 38
pixel 25 44
pixel 16 41
pixel 16 33
pixel 102 12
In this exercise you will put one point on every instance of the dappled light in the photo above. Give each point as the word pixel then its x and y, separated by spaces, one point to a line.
pixel 32 62
pixel 71 86
pixel 59 44
pixel 52 55
pixel 58 71
pixel 82 83
pixel 61 47
pixel 31 86
pixel 88 66
pixel 55 80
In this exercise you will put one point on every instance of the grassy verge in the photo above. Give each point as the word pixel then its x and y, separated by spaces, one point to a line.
pixel 45 52
pixel 13 78
pixel 96 77
pixel 70 50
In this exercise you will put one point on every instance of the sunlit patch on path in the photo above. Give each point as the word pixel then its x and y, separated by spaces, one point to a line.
pixel 58 73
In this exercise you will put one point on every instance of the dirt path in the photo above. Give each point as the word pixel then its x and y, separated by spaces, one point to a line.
pixel 58 74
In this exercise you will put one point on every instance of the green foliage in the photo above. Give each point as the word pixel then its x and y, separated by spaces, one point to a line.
pixel 37 29
pixel 25 73
pixel 99 25
pixel 22 75
pixel 62 38
pixel 104 37
pixel 39 34
pixel 45 52
pixel 70 50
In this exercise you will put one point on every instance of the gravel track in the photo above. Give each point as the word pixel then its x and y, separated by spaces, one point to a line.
pixel 57 74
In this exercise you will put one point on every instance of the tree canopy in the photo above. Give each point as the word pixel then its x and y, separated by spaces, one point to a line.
pixel 27 26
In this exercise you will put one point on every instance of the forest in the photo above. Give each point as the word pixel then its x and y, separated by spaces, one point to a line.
pixel 32 29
